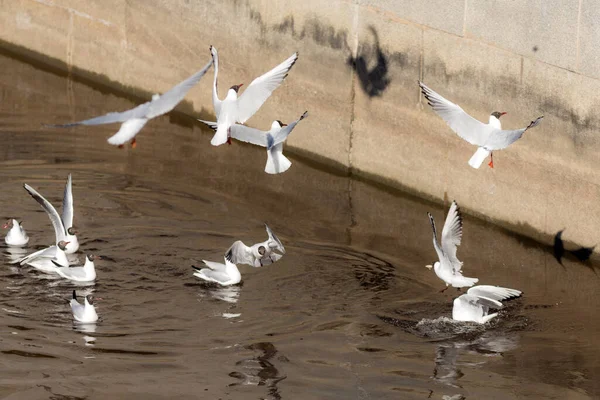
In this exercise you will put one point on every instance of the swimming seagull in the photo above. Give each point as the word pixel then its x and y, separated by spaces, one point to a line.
pixel 487 137
pixel 273 140
pixel 234 109
pixel 449 268
pixel 84 273
pixel 84 313
pixel 476 303
pixel 63 225
pixel 134 120
pixel 16 235
pixel 47 259
pixel 224 274
pixel 258 254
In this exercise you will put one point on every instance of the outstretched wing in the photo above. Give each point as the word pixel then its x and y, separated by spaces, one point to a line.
pixel 67 206
pixel 261 88
pixel 501 139
pixel 239 253
pixel 467 127
pixel 248 135
pixel 492 295
pixel 282 135
pixel 274 241
pixel 210 124
pixel 452 235
pixel 110 118
pixel 59 228
pixel 170 99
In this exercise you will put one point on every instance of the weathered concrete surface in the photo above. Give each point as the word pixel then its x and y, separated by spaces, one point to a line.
pixel 359 63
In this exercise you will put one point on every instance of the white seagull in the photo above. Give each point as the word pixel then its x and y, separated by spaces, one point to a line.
pixel 449 268
pixel 63 225
pixel 224 274
pixel 134 120
pixel 476 303
pixel 258 254
pixel 47 259
pixel 83 313
pixel 239 109
pixel 83 273
pixel 273 140
pixel 16 235
pixel 487 137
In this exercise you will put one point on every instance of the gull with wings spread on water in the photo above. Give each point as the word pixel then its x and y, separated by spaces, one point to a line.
pixel 475 305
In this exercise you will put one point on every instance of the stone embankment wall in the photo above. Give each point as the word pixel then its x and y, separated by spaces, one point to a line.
pixel 359 64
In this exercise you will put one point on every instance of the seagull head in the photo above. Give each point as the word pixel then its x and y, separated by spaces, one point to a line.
pixel 63 245
pixel 90 299
pixel 281 124
pixel 93 258
pixel 71 231
pixel 236 87
pixel 261 250
pixel 498 114
pixel 8 224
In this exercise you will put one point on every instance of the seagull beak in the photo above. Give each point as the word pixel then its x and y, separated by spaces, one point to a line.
pixel 6 225
pixel 429 266
pixel 282 124
pixel 241 84
pixel 502 113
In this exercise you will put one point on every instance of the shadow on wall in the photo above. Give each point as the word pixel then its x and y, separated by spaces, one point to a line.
pixel 373 81
pixel 581 254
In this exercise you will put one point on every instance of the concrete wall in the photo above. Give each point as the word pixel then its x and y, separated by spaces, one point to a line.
pixel 359 63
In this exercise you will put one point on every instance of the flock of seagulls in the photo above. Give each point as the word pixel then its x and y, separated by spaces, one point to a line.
pixel 231 114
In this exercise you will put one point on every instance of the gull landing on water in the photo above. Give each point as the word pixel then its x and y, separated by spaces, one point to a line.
pixel 63 224
pixel 16 235
pixel 134 120
pixel 234 109
pixel 488 137
pixel 476 303
pixel 449 268
pixel 47 260
pixel 273 140
pixel 84 313
pixel 224 274
pixel 258 254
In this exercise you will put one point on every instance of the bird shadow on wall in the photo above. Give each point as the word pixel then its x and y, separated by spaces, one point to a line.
pixel 581 255
pixel 371 67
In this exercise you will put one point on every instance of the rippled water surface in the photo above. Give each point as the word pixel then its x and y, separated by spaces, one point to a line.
pixel 349 312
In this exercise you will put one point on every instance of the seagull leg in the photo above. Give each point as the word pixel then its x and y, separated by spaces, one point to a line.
pixel 229 136
pixel 133 143
pixel 121 146
pixel 491 163
pixel 444 289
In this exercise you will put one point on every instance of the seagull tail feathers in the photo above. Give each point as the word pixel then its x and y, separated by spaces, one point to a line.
pixel 480 155
pixel 276 161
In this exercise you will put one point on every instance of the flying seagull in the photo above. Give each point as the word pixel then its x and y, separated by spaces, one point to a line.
pixel 488 137
pixel 476 303
pixel 234 109
pixel 132 121
pixel 258 254
pixel 449 268
pixel 273 141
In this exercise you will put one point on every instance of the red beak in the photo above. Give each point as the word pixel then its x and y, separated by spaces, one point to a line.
pixel 241 84
pixel 502 113
pixel 282 124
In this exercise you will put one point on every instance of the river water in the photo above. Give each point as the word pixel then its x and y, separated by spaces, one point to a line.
pixel 349 312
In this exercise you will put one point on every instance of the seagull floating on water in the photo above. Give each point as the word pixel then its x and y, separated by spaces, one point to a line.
pixel 273 140
pixel 258 254
pixel 83 273
pixel 224 274
pixel 47 259
pixel 84 313
pixel 16 235
pixel 63 225
pixel 488 137
pixel 234 109
pixel 134 120
pixel 476 303
pixel 449 268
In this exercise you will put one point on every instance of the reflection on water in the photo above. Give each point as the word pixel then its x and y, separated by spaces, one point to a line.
pixel 354 253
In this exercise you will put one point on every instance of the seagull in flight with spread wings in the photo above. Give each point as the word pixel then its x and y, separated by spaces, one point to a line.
pixel 258 254
pixel 449 268
pixel 476 303
pixel 234 109
pixel 132 121
pixel 488 137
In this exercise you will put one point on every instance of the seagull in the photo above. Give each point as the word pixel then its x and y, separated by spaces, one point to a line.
pixel 258 254
pixel 134 120
pixel 476 303
pixel 84 313
pixel 449 268
pixel 63 225
pixel 239 109
pixel 83 273
pixel 16 235
pixel 487 137
pixel 47 259
pixel 273 140
pixel 224 274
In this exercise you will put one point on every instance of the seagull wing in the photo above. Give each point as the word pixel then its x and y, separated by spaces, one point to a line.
pixel 48 252
pixel 274 241
pixel 110 118
pixel 239 253
pixel 436 245
pixel 491 295
pixel 261 88
pixel 210 124
pixel 452 235
pixel 467 127
pixel 248 135
pixel 59 228
pixel 67 206
pixel 170 99
pixel 501 139
pixel 283 133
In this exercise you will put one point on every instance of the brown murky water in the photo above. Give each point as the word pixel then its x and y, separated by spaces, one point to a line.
pixel 350 312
